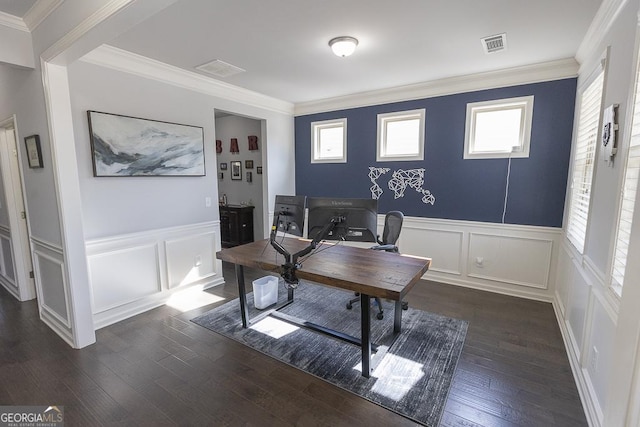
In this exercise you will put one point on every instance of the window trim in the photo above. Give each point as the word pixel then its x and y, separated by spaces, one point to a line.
pixel 385 118
pixel 526 105
pixel 316 127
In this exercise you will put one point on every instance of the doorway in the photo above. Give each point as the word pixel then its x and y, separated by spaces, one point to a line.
pixel 16 267
pixel 240 155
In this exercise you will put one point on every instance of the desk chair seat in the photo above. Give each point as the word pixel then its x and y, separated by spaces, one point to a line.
pixel 390 234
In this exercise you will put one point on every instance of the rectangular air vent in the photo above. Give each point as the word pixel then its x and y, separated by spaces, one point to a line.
pixel 219 68
pixel 494 43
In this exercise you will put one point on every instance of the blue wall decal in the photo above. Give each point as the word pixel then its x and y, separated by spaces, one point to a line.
pixel 471 189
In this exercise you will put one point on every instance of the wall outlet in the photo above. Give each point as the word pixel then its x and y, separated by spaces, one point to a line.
pixel 207 202
pixel 479 262
pixel 593 363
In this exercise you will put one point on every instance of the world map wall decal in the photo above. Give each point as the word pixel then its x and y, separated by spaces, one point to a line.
pixel 400 180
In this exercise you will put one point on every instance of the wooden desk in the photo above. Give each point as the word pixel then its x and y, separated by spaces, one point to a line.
pixel 371 273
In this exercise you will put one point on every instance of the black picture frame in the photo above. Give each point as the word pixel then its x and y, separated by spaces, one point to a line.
pixel 34 151
pixel 236 170
pixel 223 166
pixel 259 170
pixel 248 164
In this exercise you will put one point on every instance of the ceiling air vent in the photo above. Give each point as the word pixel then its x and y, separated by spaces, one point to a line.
pixel 220 68
pixel 494 43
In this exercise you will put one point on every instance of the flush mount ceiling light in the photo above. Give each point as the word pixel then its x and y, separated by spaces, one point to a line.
pixel 343 46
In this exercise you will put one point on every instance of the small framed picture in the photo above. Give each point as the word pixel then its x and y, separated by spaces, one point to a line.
pixel 259 170
pixel 34 152
pixel 223 166
pixel 249 177
pixel 248 164
pixel 221 175
pixel 236 170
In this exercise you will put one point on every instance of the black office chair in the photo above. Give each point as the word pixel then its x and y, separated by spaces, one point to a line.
pixel 390 234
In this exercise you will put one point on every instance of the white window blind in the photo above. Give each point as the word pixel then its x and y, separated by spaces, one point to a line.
pixel 583 159
pixel 628 201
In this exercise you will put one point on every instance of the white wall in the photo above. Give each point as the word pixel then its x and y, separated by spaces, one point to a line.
pixel 121 205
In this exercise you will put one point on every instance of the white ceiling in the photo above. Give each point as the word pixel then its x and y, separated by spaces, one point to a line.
pixel 283 44
pixel 16 7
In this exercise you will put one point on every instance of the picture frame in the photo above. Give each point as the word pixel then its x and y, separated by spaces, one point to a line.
pixel 34 151
pixel 223 166
pixel 144 147
pixel 248 164
pixel 249 177
pixel 236 170
pixel 220 176
pixel 259 170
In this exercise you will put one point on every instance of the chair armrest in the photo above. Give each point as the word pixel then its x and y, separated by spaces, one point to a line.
pixel 387 248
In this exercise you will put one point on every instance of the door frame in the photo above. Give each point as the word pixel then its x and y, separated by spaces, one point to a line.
pixel 13 182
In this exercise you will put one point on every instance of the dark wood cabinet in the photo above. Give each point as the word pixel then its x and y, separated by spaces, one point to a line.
pixel 236 225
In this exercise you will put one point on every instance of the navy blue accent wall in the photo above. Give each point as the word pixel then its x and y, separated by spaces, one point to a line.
pixel 472 189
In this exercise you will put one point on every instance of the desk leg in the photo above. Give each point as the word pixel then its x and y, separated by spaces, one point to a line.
pixel 242 295
pixel 397 317
pixel 365 331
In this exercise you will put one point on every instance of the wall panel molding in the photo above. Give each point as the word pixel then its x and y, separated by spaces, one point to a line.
pixel 133 273
pixel 530 272
pixel 53 301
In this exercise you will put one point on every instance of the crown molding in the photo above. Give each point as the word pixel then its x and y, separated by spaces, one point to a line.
pixel 39 12
pixel 547 71
pixel 128 62
pixel 12 21
pixel 601 24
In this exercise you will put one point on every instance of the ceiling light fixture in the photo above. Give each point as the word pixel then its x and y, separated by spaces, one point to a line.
pixel 343 46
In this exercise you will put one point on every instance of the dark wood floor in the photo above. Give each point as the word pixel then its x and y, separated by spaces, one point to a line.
pixel 160 369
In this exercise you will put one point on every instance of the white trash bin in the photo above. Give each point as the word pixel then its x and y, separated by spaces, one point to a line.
pixel 265 291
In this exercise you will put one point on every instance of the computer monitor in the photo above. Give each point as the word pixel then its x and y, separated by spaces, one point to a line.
pixel 356 219
pixel 288 214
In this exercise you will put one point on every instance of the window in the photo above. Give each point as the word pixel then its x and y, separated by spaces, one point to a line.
pixel 401 136
pixel 628 197
pixel 499 128
pixel 329 141
pixel 583 161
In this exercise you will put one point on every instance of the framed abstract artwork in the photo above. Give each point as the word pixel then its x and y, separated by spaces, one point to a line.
pixel 130 146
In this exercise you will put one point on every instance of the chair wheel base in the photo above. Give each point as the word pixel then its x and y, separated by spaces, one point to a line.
pixel 380 316
pixel 349 306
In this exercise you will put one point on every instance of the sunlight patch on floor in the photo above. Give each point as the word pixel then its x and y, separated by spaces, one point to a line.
pixel 395 376
pixel 273 327
pixel 192 298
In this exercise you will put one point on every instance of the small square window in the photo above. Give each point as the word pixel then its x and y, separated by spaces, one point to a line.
pixel 401 136
pixel 500 128
pixel 329 141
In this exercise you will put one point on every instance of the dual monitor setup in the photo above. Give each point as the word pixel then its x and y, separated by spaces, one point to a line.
pixel 327 219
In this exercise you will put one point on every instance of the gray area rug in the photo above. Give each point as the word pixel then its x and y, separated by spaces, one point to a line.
pixel 413 377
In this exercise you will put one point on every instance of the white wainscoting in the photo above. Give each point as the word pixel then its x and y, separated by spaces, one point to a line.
pixel 587 316
pixel 509 259
pixel 7 267
pixel 132 273
pixel 53 289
